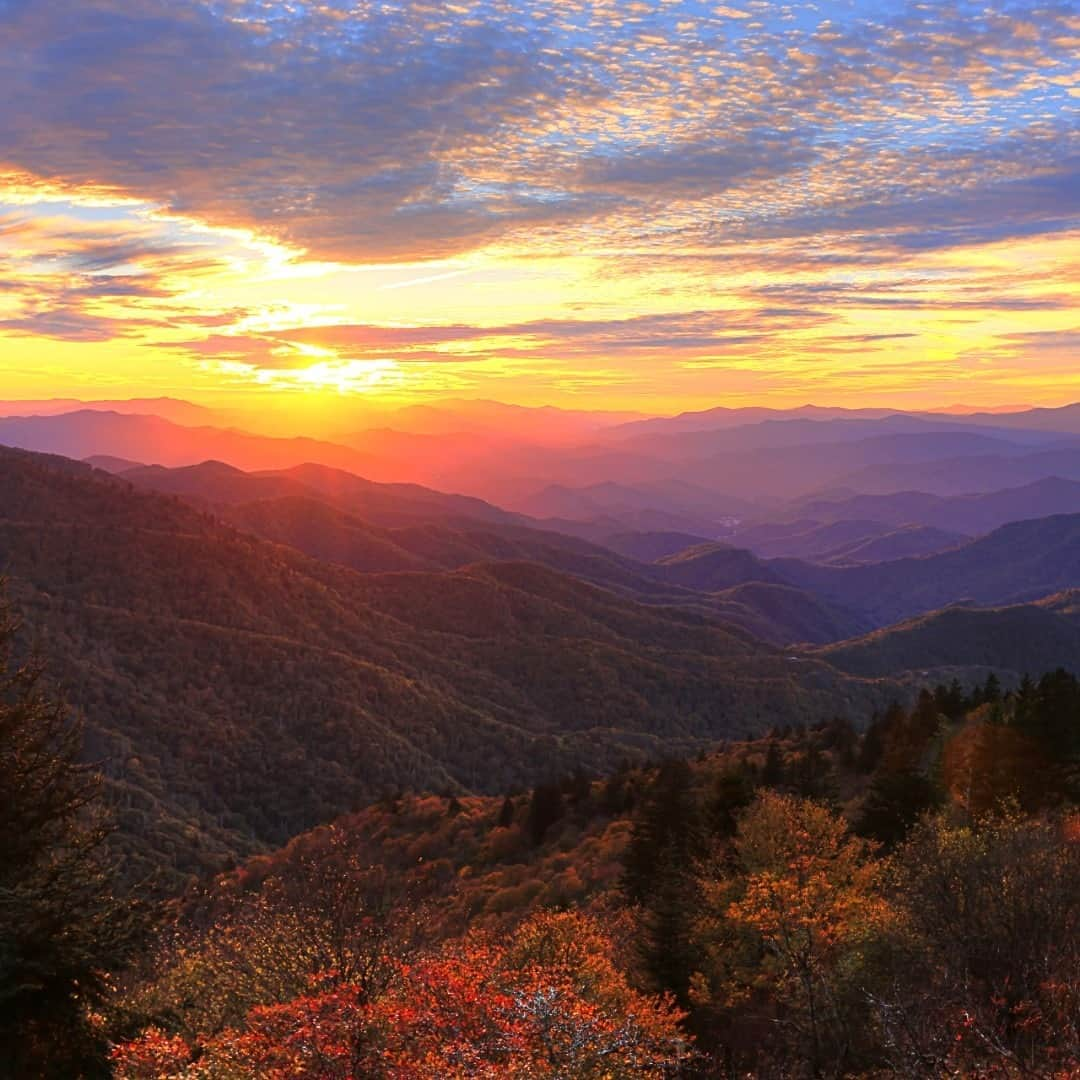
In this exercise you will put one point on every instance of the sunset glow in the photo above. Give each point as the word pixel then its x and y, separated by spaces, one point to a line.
pixel 627 206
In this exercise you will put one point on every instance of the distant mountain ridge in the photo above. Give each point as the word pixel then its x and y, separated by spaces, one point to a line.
pixel 578 466
pixel 854 539
pixel 381 503
pixel 376 528
pixel 970 514
pixel 1023 560
pixel 175 410
pixel 239 691
pixel 900 543
pixel 1064 419
pixel 1010 641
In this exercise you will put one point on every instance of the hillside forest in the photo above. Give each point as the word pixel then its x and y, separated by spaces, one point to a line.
pixel 657 774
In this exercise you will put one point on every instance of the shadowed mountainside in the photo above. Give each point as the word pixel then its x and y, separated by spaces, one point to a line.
pixel 1024 560
pixel 969 514
pixel 908 540
pixel 238 691
pixel 833 541
pixel 1012 641
pixel 370 527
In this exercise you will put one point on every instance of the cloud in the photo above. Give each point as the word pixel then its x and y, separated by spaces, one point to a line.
pixel 69 323
pixel 673 336
pixel 585 194
pixel 385 131
pixel 331 132
pixel 78 279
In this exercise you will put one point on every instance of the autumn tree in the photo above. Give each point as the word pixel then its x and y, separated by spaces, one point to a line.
pixel 988 985
pixel 547 1002
pixel 989 762
pixel 334 919
pixel 785 929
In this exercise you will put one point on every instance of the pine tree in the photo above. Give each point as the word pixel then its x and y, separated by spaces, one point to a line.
pixel 506 814
pixel 61 926
pixel 773 771
pixel 545 808
pixel 666 822
pixel 894 803
pixel 668 838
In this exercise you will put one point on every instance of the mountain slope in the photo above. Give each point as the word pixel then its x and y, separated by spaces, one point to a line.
pixel 784 615
pixel 1025 638
pixel 807 538
pixel 1065 418
pixel 173 409
pixel 1021 561
pixel 238 691
pixel 90 433
pixel 648 547
pixel 335 516
pixel 964 475
pixel 214 482
pixel 970 514
pixel 713 567
pixel 898 544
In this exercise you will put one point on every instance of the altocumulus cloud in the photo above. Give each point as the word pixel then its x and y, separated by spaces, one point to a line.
pixel 390 131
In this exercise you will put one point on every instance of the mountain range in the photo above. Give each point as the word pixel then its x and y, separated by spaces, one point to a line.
pixel 239 691
pixel 1022 639
pixel 263 633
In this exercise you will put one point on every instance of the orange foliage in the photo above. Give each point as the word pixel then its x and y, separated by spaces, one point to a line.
pixel 549 1001
pixel 987 763
pixel 783 935
pixel 154 1055
pixel 810 887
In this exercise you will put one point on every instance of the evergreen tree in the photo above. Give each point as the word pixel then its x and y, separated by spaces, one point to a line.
pixel 925 720
pixel 506 814
pixel 616 797
pixel 877 737
pixel 1049 713
pixel 839 735
pixel 894 803
pixel 951 700
pixel 578 787
pixel 732 791
pixel 773 771
pixel 667 822
pixel 61 926
pixel 989 692
pixel 812 777
pixel 665 943
pixel 545 808
pixel 667 840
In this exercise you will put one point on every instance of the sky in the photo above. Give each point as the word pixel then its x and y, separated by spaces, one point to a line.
pixel 617 204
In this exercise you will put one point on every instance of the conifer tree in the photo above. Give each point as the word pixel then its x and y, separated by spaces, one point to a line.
pixel 506 813
pixel 545 808
pixel 669 837
pixel 61 926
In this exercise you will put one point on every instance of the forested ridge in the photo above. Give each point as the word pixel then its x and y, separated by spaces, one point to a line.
pixel 237 692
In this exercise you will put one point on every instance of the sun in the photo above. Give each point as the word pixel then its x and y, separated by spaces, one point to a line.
pixel 342 376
